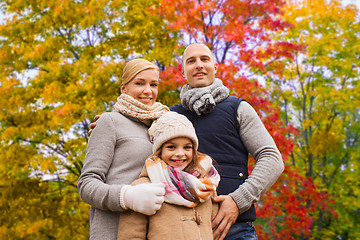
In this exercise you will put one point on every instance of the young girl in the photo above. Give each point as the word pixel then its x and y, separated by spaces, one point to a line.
pixel 190 180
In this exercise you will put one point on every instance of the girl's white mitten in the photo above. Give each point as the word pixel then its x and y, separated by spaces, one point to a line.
pixel 144 198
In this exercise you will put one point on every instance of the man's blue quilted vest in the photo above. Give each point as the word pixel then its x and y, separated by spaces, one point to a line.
pixel 218 134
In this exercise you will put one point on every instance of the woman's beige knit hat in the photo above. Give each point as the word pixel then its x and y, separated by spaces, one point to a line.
pixel 135 66
pixel 171 125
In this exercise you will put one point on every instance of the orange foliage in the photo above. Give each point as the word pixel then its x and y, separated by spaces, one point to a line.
pixel 240 35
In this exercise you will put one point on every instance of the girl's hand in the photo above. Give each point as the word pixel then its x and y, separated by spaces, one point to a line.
pixel 144 198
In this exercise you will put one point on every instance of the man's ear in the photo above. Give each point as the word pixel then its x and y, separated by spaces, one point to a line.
pixel 182 71
pixel 216 66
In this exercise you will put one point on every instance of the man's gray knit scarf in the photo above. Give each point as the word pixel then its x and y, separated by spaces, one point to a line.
pixel 203 100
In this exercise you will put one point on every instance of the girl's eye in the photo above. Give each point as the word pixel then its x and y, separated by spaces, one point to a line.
pixel 154 85
pixel 138 83
pixel 170 147
pixel 188 147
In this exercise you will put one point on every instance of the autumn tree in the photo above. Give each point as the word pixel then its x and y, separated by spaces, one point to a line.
pixel 60 63
pixel 238 32
pixel 319 92
pixel 241 35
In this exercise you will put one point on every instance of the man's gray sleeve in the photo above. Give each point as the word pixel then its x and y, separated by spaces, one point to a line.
pixel 269 163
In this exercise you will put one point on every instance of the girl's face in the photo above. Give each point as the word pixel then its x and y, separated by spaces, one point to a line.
pixel 177 152
pixel 143 87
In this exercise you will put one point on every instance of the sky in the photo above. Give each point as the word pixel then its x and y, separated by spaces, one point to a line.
pixel 356 2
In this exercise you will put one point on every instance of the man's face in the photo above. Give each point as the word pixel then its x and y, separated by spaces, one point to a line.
pixel 199 68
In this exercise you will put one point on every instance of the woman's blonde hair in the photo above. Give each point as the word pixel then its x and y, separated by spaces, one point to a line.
pixel 134 67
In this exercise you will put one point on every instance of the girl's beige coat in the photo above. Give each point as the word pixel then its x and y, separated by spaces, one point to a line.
pixel 170 222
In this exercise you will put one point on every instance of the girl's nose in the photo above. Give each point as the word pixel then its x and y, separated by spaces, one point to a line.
pixel 179 153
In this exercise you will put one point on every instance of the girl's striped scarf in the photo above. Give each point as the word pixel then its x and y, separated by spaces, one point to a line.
pixel 131 107
pixel 182 188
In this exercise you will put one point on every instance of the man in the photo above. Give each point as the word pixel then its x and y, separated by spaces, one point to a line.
pixel 228 129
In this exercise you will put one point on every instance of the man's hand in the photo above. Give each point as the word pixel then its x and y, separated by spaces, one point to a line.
pixel 226 216
pixel 93 124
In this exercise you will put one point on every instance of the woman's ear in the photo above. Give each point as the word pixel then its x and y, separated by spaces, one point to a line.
pixel 122 88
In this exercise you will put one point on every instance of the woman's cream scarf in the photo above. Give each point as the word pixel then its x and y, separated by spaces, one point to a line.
pixel 131 107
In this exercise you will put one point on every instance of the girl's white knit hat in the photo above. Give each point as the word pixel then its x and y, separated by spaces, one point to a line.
pixel 171 125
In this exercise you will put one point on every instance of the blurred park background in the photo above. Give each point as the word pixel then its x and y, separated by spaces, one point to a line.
pixel 297 62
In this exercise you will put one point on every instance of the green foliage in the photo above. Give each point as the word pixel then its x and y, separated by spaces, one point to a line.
pixel 33 208
pixel 320 92
pixel 60 65
pixel 61 62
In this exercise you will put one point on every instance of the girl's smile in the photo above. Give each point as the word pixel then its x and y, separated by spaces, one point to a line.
pixel 177 152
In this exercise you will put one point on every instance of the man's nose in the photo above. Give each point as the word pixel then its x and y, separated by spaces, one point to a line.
pixel 199 64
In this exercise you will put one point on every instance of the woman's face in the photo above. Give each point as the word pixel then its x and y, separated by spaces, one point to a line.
pixel 177 152
pixel 143 87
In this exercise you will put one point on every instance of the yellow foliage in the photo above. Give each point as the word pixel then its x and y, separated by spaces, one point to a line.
pixel 9 133
pixel 48 165
pixel 60 64
pixel 32 229
pixel 324 142
pixel 51 92
pixel 324 105
pixel 307 123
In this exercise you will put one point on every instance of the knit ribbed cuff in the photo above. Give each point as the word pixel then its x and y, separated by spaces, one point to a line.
pixel 122 195
pixel 243 199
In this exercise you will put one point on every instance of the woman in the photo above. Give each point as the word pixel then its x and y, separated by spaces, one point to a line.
pixel 116 152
